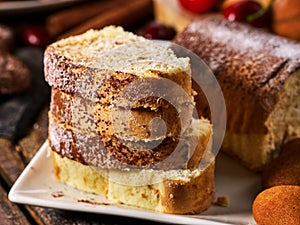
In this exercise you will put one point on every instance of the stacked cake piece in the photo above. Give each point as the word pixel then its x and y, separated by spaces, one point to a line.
pixel 122 122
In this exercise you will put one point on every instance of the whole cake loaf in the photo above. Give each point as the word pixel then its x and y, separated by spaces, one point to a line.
pixel 259 74
pixel 122 111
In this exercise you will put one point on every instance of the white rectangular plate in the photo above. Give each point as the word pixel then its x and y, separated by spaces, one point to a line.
pixel 37 186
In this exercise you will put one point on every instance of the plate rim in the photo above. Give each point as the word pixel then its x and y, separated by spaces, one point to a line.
pixel 17 196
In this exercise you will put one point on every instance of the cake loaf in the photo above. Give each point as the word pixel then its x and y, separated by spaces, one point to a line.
pixel 259 74
pixel 111 90
pixel 172 191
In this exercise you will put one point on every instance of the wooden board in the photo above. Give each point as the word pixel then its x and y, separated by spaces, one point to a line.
pixel 9 212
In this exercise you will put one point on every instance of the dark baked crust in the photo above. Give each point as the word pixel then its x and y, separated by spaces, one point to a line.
pixel 250 65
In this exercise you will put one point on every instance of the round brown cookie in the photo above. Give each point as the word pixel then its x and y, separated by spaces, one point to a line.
pixel 277 205
pixel 285 169
pixel 15 76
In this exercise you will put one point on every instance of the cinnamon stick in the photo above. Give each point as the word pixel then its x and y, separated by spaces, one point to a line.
pixel 61 21
pixel 126 14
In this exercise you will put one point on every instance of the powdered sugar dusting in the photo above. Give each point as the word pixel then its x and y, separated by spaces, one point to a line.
pixel 222 31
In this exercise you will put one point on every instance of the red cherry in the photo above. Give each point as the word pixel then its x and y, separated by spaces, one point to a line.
pixel 243 11
pixel 198 6
pixel 155 30
pixel 36 36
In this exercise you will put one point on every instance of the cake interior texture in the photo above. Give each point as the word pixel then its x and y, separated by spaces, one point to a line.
pixel 174 191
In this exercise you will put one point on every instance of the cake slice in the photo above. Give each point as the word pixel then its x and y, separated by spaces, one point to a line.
pixel 173 191
pixel 85 62
pixel 169 153
pixel 86 135
pixel 96 78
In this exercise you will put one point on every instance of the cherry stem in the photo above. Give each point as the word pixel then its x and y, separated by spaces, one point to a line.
pixel 261 12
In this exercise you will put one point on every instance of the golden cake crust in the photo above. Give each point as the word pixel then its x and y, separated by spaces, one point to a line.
pixel 175 196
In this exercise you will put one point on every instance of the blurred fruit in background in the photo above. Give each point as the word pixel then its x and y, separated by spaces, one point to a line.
pixel 36 36
pixel 227 3
pixel 156 30
pixel 198 6
pixel 249 11
pixel 285 16
pixel 286 19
